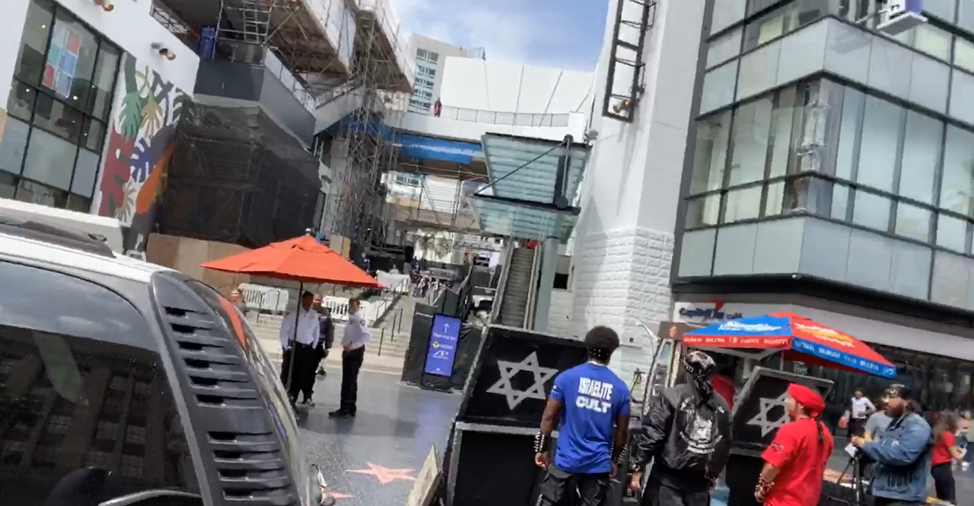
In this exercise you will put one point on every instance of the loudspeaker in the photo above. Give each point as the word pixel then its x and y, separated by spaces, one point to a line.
pixel 491 465
pixel 760 408
pixel 513 374
pixel 482 456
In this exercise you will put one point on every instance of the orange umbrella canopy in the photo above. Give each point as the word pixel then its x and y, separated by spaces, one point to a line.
pixel 300 259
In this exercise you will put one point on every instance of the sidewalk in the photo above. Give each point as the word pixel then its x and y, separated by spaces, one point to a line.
pixel 386 364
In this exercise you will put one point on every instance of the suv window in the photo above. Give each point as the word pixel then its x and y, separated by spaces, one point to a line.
pixel 265 378
pixel 86 410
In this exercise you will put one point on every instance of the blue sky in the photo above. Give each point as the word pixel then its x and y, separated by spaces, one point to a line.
pixel 553 33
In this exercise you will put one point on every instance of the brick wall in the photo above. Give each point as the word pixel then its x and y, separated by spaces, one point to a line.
pixel 621 276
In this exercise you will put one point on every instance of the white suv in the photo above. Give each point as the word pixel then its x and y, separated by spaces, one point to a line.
pixel 128 382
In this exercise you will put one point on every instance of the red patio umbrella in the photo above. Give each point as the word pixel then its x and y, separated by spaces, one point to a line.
pixel 302 259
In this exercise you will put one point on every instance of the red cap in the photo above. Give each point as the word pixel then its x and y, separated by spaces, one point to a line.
pixel 808 398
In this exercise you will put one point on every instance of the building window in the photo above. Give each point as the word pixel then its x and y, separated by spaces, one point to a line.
pixel 59 104
pixel 871 163
pixel 964 54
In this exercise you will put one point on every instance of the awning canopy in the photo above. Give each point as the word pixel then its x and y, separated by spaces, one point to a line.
pixel 523 168
pixel 526 178
pixel 522 219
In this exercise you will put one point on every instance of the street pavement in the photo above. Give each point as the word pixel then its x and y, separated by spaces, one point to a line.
pixel 373 459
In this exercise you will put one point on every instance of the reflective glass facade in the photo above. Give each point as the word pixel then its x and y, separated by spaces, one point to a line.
pixel 58 110
pixel 827 149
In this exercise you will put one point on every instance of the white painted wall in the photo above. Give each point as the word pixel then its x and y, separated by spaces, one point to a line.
pixel 623 243
pixel 510 87
pixel 129 26
pixel 472 131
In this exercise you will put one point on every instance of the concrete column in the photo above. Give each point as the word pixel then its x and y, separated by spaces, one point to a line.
pixel 624 238
pixel 548 264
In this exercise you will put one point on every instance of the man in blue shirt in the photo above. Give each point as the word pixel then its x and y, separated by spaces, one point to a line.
pixel 590 406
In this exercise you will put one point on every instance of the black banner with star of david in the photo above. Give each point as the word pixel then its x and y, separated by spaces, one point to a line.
pixel 513 374
pixel 760 407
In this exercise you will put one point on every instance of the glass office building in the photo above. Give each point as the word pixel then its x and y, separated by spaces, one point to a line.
pixel 58 109
pixel 836 162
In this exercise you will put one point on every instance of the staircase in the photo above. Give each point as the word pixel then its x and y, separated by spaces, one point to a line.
pixel 514 303
pixel 340 103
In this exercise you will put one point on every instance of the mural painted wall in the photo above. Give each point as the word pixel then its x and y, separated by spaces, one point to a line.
pixel 140 145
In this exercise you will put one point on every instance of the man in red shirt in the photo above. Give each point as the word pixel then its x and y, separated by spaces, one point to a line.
pixel 795 461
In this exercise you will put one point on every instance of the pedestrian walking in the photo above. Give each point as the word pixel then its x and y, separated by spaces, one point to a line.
pixel 942 456
pixel 298 350
pixel 353 353
pixel 877 422
pixel 589 405
pixel 236 298
pixel 326 338
pixel 796 459
pixel 900 453
pixel 858 413
pixel 687 436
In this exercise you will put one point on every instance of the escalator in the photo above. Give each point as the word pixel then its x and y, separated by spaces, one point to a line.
pixel 517 288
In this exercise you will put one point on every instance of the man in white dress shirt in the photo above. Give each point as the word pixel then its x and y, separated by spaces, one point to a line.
pixel 353 352
pixel 302 346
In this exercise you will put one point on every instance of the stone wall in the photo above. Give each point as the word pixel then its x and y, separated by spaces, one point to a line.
pixel 620 277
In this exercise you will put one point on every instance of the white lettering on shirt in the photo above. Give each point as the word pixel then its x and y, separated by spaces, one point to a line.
pixel 594 395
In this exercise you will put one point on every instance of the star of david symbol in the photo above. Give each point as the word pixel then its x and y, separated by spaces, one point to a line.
pixel 509 369
pixel 761 419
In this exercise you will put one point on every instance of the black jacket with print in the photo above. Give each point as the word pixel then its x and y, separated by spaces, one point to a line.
pixel 688 437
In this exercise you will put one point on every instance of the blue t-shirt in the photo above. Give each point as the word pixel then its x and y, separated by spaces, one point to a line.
pixel 593 397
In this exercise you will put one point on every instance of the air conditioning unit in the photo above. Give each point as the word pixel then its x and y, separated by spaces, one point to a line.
pixel 900 16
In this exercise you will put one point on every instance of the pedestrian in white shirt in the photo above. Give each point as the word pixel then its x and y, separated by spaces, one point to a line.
pixel 353 352
pixel 861 408
pixel 297 371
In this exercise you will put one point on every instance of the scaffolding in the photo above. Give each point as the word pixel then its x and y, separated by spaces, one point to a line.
pixel 369 137
pixel 236 175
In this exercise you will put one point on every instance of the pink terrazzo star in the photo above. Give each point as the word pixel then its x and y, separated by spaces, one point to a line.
pixel 384 474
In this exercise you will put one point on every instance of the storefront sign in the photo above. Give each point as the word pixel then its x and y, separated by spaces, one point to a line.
pixel 696 313
pixel 442 348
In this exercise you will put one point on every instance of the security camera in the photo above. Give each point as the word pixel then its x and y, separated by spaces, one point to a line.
pixel 163 51
pixel 591 135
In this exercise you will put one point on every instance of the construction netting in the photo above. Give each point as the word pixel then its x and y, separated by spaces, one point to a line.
pixel 237 177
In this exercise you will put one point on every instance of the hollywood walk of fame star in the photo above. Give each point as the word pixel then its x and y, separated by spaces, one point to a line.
pixel 384 474
pixel 509 369
pixel 761 419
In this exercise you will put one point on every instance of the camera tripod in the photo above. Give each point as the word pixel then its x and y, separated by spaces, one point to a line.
pixel 856 464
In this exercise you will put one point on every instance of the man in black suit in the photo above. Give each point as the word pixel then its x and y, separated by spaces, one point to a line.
pixel 326 334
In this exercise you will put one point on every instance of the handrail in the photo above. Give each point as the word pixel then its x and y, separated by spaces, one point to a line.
pixel 505 118
pixel 495 309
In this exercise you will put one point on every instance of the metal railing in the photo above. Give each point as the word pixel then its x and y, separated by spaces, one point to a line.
pixel 273 64
pixel 505 118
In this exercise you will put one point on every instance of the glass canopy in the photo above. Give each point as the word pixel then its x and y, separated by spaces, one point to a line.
pixel 526 169
pixel 504 218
